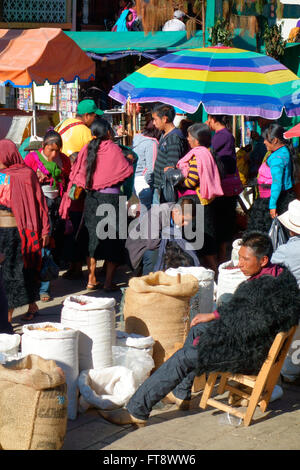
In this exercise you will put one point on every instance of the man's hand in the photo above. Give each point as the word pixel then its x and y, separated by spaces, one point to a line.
pixel 273 213
pixel 202 318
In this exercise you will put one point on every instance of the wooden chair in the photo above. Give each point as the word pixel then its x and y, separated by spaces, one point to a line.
pixel 261 385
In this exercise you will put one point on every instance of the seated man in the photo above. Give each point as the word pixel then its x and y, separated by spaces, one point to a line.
pixel 238 338
pixel 145 239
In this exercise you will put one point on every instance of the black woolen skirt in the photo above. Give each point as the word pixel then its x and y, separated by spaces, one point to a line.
pixel 259 215
pixel 21 285
pixel 111 248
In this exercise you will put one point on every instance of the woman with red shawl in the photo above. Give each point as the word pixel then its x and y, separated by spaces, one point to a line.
pixel 24 229
pixel 100 169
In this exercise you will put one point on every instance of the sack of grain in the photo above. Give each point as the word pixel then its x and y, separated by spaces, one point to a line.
pixel 33 403
pixel 230 277
pixel 94 318
pixel 202 301
pixel 59 343
pixel 107 389
pixel 158 305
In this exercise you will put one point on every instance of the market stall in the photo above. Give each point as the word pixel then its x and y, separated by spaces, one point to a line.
pixel 30 58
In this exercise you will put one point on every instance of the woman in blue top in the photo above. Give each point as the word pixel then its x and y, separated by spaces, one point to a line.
pixel 275 180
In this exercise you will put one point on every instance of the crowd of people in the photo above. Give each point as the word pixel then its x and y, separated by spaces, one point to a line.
pixel 128 19
pixel 51 206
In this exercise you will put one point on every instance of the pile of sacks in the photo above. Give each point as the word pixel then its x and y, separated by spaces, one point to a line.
pixel 102 367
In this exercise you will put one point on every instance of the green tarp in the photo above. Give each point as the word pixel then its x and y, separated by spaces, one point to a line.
pixel 108 42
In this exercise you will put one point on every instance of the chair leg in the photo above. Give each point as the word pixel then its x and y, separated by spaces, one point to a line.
pixel 223 381
pixel 210 383
pixel 253 401
pixel 269 387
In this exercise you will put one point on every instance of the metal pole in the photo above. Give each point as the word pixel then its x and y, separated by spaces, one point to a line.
pixel 74 14
pixel 33 127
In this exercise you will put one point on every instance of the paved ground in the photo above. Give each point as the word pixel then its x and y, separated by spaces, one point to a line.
pixel 168 428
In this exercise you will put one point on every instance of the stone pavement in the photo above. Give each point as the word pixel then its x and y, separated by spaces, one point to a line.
pixel 168 428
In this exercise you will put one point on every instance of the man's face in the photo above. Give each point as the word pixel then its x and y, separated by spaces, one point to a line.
pixel 159 122
pixel 249 264
pixel 88 119
pixel 181 218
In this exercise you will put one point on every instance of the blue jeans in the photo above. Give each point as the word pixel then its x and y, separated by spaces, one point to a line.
pixel 149 261
pixel 45 285
pixel 156 196
pixel 176 374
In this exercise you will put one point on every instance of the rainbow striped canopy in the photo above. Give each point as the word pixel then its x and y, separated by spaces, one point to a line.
pixel 225 80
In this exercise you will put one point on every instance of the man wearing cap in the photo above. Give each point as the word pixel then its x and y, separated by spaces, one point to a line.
pixel 176 24
pixel 75 132
pixel 289 253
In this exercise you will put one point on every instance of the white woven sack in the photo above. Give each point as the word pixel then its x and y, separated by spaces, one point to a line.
pixel 9 344
pixel 96 323
pixel 62 347
pixel 107 389
pixel 205 278
pixel 229 279
pixel 133 340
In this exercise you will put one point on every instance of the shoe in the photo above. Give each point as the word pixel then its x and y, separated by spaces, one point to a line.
pixel 29 316
pixel 45 297
pixel 91 287
pixel 122 416
pixel 183 405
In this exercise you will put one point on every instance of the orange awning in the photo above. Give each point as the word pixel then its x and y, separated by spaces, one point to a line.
pixel 36 55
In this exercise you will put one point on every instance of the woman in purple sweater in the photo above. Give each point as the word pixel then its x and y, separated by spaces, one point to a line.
pixel 223 148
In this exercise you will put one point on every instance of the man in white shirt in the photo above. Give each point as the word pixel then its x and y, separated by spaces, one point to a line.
pixel 176 24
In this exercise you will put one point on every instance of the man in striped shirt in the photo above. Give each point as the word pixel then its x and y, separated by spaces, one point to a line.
pixel 172 146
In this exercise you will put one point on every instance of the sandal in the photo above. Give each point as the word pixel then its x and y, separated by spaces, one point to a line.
pixel 29 316
pixel 45 297
pixel 93 286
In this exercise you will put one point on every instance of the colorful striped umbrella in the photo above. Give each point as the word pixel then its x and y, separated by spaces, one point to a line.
pixel 225 80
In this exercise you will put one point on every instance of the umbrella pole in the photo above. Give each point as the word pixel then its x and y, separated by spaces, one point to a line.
pixel 33 127
pixel 234 126
pixel 243 130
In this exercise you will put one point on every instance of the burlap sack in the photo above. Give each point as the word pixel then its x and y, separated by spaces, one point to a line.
pixel 157 305
pixel 33 404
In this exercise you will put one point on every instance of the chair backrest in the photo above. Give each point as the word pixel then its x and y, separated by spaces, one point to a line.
pixel 278 351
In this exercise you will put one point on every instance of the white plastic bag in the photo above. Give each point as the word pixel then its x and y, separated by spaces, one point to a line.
pixel 230 277
pixel 95 319
pixel 9 344
pixel 139 361
pixel 61 346
pixel 107 389
pixel 202 301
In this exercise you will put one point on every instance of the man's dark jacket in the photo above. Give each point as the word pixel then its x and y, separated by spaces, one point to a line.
pixel 239 341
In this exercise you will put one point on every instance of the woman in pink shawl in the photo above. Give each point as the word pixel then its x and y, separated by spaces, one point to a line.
pixel 24 229
pixel 202 182
pixel 100 169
